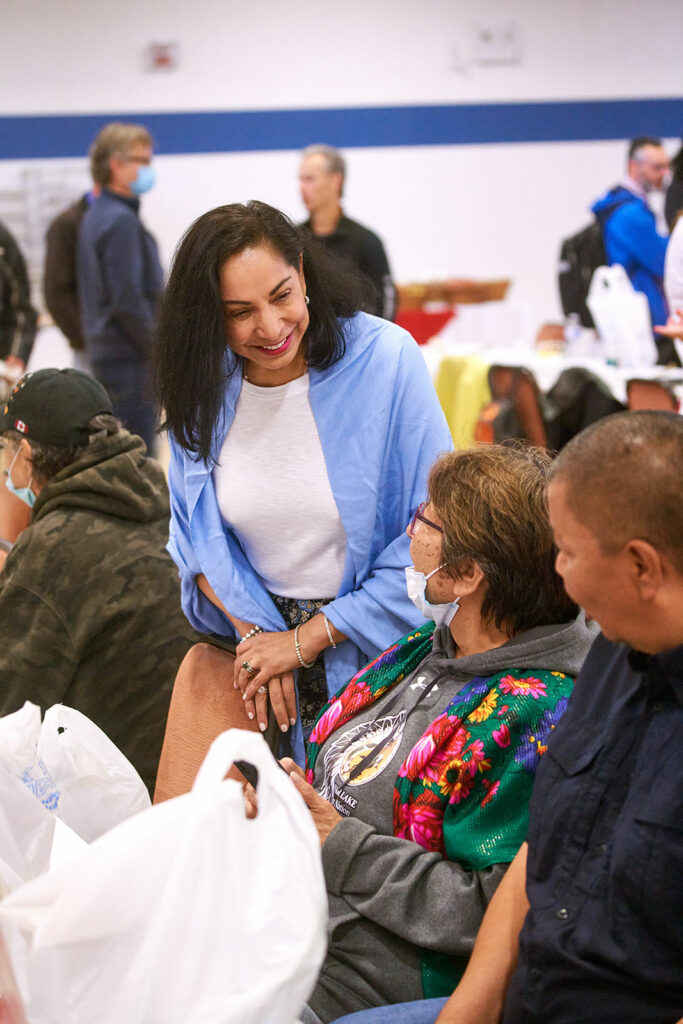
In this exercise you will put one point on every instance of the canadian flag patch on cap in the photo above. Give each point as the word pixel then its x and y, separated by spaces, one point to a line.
pixel 20 426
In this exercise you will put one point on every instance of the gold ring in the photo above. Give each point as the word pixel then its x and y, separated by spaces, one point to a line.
pixel 262 689
pixel 249 668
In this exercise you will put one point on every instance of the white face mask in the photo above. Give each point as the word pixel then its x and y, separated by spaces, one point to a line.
pixel 416 582
pixel 24 494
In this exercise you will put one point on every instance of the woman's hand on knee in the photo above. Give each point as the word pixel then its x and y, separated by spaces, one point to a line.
pixel 280 693
pixel 283 699
pixel 262 657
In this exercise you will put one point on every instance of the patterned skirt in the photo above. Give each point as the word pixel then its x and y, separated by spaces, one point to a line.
pixel 312 683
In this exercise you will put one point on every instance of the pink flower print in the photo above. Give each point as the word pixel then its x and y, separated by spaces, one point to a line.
pixel 327 722
pixel 492 789
pixel 528 687
pixel 421 753
pixel 502 736
pixel 443 727
pixel 438 764
pixel 477 761
pixel 505 707
pixel 426 826
pixel 356 698
pixel 462 788
pixel 400 811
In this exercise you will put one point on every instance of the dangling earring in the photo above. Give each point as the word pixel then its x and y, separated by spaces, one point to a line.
pixel 307 300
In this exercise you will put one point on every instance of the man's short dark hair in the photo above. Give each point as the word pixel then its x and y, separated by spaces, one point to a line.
pixel 639 143
pixel 623 481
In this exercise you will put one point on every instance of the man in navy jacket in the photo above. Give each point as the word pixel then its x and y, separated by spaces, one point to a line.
pixel 120 276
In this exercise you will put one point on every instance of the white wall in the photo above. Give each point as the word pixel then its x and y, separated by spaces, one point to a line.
pixel 483 211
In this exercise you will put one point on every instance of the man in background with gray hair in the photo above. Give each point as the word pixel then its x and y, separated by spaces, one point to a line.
pixel 321 179
pixel 120 276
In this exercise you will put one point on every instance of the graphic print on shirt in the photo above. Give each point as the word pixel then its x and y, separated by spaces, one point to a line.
pixel 348 751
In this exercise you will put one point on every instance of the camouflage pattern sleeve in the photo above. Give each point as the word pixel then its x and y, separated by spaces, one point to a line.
pixel 37 657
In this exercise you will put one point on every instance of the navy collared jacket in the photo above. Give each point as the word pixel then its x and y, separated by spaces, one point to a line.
pixel 603 940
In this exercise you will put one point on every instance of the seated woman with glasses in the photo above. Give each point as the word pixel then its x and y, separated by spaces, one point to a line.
pixel 419 772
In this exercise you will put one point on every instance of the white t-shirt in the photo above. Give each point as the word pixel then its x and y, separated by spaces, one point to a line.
pixel 273 491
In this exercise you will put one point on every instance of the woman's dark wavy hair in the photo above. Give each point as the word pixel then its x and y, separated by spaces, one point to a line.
pixel 191 368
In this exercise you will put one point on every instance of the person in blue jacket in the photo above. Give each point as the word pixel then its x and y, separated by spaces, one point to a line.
pixel 629 227
pixel 301 435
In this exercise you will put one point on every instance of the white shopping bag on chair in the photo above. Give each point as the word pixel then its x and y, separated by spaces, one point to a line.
pixel 187 913
pixel 622 318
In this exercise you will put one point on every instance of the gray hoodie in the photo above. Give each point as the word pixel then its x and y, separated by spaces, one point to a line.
pixel 389 898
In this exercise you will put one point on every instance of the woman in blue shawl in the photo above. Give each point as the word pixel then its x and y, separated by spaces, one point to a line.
pixel 301 433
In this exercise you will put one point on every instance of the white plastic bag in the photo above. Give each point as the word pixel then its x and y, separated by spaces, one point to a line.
pixel 61 782
pixel 19 735
pixel 98 786
pixel 622 318
pixel 28 800
pixel 72 767
pixel 188 913
pixel 26 834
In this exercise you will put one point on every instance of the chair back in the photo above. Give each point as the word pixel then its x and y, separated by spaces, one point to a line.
pixel 515 410
pixel 651 394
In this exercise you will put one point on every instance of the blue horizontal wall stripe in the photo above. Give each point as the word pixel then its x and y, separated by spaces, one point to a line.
pixel 69 135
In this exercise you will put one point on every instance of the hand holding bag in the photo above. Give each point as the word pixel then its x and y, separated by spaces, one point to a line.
pixel 188 913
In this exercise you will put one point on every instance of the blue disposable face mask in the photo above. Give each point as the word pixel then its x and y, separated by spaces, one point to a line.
pixel 145 179
pixel 416 583
pixel 24 494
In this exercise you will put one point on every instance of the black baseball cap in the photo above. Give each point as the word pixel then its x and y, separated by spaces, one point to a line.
pixel 54 406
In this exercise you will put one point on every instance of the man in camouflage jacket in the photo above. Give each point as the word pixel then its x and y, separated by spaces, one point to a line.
pixel 89 598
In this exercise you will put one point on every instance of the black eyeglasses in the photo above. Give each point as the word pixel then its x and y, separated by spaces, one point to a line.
pixel 419 518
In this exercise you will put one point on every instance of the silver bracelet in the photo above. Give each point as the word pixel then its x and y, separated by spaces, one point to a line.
pixel 297 647
pixel 252 632
pixel 329 631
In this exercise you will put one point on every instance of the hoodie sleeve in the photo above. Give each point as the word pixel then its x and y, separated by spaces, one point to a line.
pixel 38 661
pixel 417 895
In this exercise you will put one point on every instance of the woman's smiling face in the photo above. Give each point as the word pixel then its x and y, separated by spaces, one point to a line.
pixel 265 313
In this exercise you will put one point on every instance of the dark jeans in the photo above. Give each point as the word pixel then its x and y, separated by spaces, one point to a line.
pixel 130 388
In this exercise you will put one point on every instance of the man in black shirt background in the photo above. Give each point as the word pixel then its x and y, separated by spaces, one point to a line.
pixel 321 179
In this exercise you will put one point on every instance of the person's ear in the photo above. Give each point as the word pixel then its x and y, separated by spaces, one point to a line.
pixel 470 578
pixel 25 450
pixel 645 567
